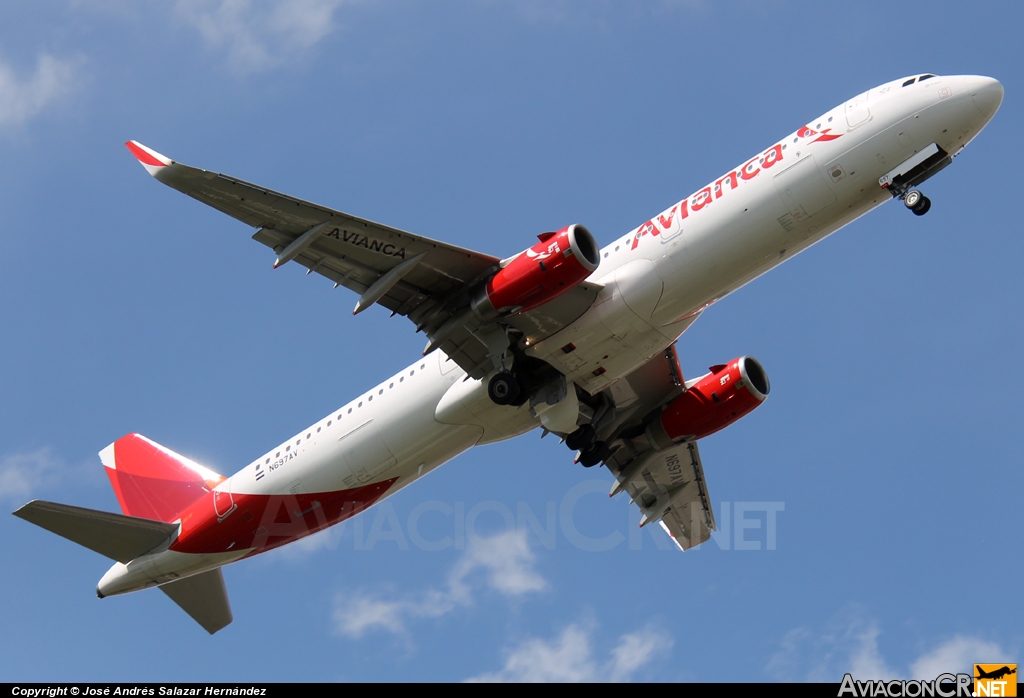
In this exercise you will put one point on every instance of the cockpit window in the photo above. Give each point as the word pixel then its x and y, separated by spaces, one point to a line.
pixel 924 77
pixel 909 82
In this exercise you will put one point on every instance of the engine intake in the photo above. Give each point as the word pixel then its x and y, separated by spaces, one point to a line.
pixel 714 402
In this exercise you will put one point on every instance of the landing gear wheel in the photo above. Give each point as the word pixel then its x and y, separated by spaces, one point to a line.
pixel 581 439
pixel 523 395
pixel 917 202
pixel 594 455
pixel 503 389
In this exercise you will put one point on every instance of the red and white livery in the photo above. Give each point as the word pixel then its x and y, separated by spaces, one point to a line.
pixel 565 336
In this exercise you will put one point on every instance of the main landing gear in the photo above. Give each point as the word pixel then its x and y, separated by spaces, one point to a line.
pixel 917 202
pixel 506 389
pixel 591 450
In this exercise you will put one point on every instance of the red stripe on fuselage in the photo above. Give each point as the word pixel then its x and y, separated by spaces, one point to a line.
pixel 264 522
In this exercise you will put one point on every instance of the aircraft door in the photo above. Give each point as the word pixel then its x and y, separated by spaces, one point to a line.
pixel 857 111
pixel 365 453
pixel 803 189
pixel 223 500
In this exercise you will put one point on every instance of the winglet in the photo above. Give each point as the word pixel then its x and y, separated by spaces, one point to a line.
pixel 150 159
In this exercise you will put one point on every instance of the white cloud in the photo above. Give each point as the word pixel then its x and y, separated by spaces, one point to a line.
pixel 22 474
pixel 956 655
pixel 259 35
pixel 637 649
pixel 505 560
pixel 23 98
pixel 849 644
pixel 569 657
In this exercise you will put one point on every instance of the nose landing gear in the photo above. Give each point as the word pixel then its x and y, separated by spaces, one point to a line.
pixel 917 202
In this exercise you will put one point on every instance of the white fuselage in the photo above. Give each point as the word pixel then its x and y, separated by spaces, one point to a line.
pixel 656 280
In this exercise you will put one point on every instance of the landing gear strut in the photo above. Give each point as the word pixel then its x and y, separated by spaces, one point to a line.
pixel 917 202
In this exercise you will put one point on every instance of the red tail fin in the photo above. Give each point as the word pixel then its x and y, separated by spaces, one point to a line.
pixel 153 482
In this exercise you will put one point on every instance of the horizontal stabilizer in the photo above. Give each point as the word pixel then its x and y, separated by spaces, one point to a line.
pixel 204 597
pixel 121 538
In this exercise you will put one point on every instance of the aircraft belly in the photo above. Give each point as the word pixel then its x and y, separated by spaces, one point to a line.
pixel 467 404
pixel 160 568
pixel 610 341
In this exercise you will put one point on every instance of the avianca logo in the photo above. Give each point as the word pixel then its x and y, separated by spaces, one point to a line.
pixel 709 194
pixel 553 248
pixel 807 132
pixel 713 192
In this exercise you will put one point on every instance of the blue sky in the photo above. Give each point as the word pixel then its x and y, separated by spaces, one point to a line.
pixel 888 453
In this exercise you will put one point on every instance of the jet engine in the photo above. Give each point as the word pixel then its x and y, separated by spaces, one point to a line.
pixel 540 274
pixel 711 403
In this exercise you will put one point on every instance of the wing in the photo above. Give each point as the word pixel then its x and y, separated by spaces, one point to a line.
pixel 425 280
pixel 668 485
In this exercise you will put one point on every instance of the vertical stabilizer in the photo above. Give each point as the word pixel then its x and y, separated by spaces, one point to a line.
pixel 153 482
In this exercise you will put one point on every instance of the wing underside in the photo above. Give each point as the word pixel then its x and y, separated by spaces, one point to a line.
pixel 425 280
pixel 667 485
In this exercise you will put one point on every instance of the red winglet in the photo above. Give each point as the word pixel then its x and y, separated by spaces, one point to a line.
pixel 150 159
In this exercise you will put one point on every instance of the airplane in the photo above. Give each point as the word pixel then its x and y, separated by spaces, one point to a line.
pixel 995 674
pixel 566 336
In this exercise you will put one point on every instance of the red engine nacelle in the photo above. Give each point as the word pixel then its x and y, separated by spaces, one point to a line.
pixel 714 402
pixel 540 274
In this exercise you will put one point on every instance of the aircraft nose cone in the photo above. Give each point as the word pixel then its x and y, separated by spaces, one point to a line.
pixel 987 94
